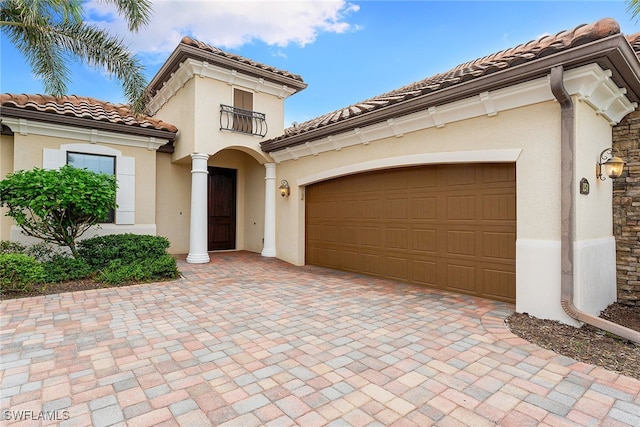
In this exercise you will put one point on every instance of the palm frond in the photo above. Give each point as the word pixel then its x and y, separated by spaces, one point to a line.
pixel 137 12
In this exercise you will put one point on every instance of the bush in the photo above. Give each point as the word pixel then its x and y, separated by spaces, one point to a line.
pixel 7 247
pixel 148 269
pixel 43 252
pixel 58 205
pixel 128 248
pixel 19 273
pixel 61 268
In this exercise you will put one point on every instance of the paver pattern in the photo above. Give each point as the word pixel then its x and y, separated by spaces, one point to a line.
pixel 252 341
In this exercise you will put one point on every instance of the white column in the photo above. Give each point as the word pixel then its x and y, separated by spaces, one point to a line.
pixel 269 249
pixel 198 228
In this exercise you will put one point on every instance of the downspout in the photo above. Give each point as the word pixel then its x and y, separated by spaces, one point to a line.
pixel 567 192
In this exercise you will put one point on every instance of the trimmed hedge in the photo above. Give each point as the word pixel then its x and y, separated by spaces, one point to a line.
pixel 60 269
pixel 145 270
pixel 128 248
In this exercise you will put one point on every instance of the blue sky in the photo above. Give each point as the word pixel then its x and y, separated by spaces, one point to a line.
pixel 346 51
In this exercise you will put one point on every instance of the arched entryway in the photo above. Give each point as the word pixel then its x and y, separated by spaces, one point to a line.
pixel 229 193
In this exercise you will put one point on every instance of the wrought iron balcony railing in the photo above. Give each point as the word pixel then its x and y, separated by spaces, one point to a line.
pixel 244 121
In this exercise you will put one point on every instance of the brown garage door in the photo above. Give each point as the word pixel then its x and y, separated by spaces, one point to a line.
pixel 448 226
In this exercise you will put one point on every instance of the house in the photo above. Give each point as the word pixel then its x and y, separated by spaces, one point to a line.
pixel 479 180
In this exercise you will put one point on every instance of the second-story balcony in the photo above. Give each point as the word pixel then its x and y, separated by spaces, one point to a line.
pixel 244 121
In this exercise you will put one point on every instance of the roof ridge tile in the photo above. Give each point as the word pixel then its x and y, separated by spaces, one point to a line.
pixel 507 58
pixel 85 108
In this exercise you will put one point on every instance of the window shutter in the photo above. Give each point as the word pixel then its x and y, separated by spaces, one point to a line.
pixel 242 121
pixel 52 159
pixel 126 195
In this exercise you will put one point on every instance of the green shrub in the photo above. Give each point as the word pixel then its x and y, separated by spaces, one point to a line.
pixel 128 248
pixel 7 247
pixel 19 273
pixel 61 268
pixel 143 270
pixel 43 251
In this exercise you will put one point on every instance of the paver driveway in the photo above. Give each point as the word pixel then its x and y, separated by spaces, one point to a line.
pixel 252 341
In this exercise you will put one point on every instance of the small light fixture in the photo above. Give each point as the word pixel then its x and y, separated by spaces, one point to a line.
pixel 612 165
pixel 284 188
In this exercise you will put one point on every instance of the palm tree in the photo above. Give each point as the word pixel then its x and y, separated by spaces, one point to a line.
pixel 47 31
pixel 633 7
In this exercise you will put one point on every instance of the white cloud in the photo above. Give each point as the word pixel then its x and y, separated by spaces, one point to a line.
pixel 228 23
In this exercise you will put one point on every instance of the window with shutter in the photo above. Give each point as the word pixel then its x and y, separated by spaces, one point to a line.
pixel 243 115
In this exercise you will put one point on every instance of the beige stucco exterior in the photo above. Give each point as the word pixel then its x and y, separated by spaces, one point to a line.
pixel 6 167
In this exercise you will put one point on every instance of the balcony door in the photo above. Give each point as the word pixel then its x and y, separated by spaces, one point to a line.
pixel 221 209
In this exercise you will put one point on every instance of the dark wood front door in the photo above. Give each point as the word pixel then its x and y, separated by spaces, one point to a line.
pixel 222 209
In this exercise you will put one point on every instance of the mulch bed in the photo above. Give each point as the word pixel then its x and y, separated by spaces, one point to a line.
pixel 58 288
pixel 587 343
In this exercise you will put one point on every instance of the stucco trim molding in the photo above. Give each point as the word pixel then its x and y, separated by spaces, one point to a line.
pixel 192 67
pixel 590 84
pixel 477 156
pixel 26 127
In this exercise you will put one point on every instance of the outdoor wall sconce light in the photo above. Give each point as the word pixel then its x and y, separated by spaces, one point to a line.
pixel 612 164
pixel 284 188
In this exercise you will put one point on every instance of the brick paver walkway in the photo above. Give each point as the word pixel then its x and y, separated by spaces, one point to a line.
pixel 249 341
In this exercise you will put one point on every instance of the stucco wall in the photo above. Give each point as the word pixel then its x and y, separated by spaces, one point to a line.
pixel 594 249
pixel 626 212
pixel 173 181
pixel 6 167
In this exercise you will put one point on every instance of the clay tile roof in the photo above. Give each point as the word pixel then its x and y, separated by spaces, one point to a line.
pixel 634 41
pixel 486 65
pixel 84 108
pixel 214 50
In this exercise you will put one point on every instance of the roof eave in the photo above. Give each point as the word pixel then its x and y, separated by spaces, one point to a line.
pixel 613 52
pixel 183 52
pixel 22 113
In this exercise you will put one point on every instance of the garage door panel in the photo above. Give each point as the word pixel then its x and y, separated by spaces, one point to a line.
pixel 448 226
pixel 499 245
pixel 370 263
pixel 460 242
pixel 349 234
pixel 369 209
pixel 461 277
pixel 396 268
pixel 499 207
pixel 461 208
pixel 396 238
pixel 424 208
pixel 395 180
pixel 425 240
pixel 348 259
pixel 499 173
pixel 423 272
pixel 347 209
pixel 396 208
pixel 498 284
pixel 371 236
pixel 422 178
pixel 459 175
